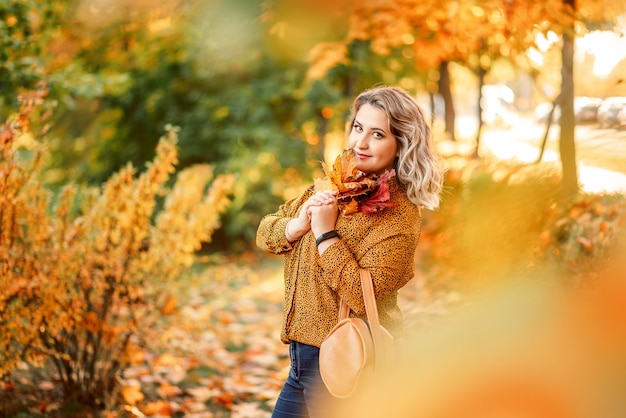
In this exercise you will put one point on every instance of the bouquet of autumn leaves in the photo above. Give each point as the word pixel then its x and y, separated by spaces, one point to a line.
pixel 356 190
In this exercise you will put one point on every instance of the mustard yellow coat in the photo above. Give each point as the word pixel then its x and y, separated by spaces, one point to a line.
pixel 383 243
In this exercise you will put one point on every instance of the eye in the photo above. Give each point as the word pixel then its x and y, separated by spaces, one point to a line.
pixel 378 135
pixel 357 127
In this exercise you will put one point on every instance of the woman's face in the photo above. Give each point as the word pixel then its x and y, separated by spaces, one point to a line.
pixel 372 141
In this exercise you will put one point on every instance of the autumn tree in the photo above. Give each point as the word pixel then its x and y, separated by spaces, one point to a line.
pixel 430 35
pixel 475 34
pixel 568 18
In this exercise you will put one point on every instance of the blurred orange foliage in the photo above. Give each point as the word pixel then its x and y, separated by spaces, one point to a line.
pixel 437 31
pixel 522 348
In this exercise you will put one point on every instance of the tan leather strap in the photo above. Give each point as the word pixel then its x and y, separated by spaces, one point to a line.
pixel 344 310
pixel 369 298
pixel 371 310
pixel 372 313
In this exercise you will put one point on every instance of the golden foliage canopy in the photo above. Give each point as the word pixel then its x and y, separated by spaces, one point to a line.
pixel 434 31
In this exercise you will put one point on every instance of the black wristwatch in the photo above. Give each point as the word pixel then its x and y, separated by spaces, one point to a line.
pixel 326 235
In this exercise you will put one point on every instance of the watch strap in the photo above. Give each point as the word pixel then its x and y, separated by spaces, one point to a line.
pixel 326 235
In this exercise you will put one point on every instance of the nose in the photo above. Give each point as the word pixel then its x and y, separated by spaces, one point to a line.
pixel 361 140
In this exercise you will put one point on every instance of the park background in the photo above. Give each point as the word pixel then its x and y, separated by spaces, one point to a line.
pixel 144 142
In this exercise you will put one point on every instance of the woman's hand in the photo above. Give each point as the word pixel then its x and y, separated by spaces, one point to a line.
pixel 324 216
pixel 299 226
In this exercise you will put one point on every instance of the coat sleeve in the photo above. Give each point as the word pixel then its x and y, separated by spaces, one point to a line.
pixel 388 255
pixel 270 236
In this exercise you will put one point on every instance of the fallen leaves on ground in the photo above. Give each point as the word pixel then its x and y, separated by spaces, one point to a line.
pixel 217 351
pixel 218 354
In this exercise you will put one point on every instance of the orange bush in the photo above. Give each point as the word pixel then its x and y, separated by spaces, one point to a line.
pixel 81 271
pixel 498 219
pixel 583 236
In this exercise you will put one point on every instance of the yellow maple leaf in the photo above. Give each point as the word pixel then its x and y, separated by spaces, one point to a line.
pixel 347 180
pixel 324 184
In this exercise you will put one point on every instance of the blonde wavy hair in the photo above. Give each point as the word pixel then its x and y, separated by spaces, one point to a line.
pixel 418 166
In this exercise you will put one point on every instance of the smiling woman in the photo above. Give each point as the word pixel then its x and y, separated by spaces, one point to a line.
pixel 371 140
pixel 325 248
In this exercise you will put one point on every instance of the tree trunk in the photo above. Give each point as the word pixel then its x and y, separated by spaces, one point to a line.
pixel 446 93
pixel 546 133
pixel 431 97
pixel 567 145
pixel 481 83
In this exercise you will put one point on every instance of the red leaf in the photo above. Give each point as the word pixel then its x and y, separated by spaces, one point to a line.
pixel 378 200
pixel 357 191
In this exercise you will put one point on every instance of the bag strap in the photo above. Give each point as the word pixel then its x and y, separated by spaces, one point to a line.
pixel 372 315
pixel 371 310
pixel 368 298
pixel 344 310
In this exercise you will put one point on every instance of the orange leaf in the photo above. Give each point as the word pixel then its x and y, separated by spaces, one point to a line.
pixel 91 322
pixel 347 180
pixel 225 317
pixel 132 394
pixel 168 391
pixel 166 360
pixel 350 208
pixel 170 306
pixel 358 191
pixel 225 398
pixel 162 408
pixel 344 174
pixel 134 354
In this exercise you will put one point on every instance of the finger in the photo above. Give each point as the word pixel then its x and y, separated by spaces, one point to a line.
pixel 326 193
pixel 313 201
pixel 327 197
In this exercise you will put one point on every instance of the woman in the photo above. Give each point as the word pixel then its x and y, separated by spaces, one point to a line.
pixel 324 248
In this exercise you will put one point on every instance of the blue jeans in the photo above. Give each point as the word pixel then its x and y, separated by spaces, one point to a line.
pixel 304 393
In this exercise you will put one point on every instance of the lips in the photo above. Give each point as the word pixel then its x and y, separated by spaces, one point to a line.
pixel 361 156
